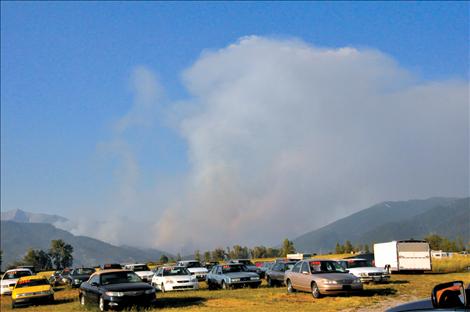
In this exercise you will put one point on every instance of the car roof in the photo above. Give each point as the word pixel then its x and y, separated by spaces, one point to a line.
pixel 109 271
pixel 32 277
pixel 134 264
pixel 18 270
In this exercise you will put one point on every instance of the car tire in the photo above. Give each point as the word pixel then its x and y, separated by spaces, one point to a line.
pixel 162 288
pixel 224 285
pixel 315 291
pixel 102 305
pixel 290 288
pixel 269 281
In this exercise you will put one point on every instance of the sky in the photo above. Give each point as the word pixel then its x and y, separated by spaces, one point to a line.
pixel 240 122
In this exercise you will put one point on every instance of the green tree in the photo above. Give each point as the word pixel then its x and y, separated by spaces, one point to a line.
pixel 178 257
pixel 61 254
pixel 197 256
pixel 259 252
pixel 348 247
pixel 218 254
pixel 39 259
pixel 366 248
pixel 207 256
pixel 287 248
pixel 164 259
pixel 339 249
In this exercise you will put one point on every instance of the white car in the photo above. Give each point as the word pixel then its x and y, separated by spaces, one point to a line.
pixel 142 270
pixel 195 267
pixel 365 271
pixel 10 278
pixel 174 278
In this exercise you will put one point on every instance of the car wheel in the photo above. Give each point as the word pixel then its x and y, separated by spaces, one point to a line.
pixel 102 305
pixel 315 291
pixel 270 281
pixel 225 286
pixel 162 288
pixel 82 300
pixel 290 289
pixel 13 305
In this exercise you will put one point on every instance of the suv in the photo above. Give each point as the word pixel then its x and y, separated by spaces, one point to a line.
pixel 195 268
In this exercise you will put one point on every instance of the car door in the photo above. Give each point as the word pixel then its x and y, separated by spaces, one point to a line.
pixel 276 272
pixel 92 289
pixel 295 275
pixel 219 277
pixel 305 276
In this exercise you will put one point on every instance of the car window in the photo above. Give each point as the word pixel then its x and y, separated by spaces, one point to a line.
pixel 277 267
pixel 326 267
pixel 16 274
pixel 305 268
pixel 296 267
pixel 219 270
pixel 175 271
pixel 119 278
pixel 95 279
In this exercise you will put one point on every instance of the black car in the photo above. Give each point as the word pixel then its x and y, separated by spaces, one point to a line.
pixel 77 276
pixel 116 289
pixel 275 275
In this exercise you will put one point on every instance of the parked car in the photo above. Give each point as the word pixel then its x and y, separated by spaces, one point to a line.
pixel 209 265
pixel 248 264
pixel 32 289
pixel 142 270
pixel 56 278
pixel 232 275
pixel 451 296
pixel 170 278
pixel 10 278
pixel 364 270
pixel 116 289
pixel 195 267
pixel 321 277
pixel 264 267
pixel 77 276
pixel 275 275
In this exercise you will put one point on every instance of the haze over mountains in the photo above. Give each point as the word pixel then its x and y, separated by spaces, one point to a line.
pixel 449 217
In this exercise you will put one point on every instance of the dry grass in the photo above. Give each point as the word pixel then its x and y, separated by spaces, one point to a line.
pixel 402 288
pixel 456 263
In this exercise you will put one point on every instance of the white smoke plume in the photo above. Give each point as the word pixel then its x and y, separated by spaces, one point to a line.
pixel 284 137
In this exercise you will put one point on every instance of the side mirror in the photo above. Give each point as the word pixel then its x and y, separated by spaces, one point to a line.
pixel 449 295
pixel 95 284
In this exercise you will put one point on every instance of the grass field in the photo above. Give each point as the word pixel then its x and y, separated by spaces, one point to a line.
pixel 402 288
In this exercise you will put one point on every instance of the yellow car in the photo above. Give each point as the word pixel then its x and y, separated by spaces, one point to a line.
pixel 31 290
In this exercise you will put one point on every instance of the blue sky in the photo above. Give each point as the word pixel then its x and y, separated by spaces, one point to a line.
pixel 66 70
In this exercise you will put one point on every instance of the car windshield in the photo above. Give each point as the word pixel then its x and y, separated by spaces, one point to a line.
pixel 326 267
pixel 120 277
pixel 289 266
pixel 233 268
pixel 142 267
pixel 16 274
pixel 175 271
pixel 31 282
pixel 83 271
pixel 193 264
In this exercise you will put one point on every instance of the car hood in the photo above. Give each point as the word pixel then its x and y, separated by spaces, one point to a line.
pixel 241 274
pixel 127 287
pixel 335 276
pixel 25 290
pixel 425 304
pixel 178 278
pixel 144 273
pixel 197 270
pixel 366 270
pixel 9 281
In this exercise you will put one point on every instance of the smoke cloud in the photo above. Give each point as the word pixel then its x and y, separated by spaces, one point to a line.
pixel 284 137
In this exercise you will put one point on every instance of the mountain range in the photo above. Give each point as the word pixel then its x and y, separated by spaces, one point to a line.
pixel 19 232
pixel 387 221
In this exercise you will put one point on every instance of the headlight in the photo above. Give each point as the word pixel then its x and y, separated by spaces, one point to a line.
pixel 329 282
pixel 235 279
pixel 363 274
pixel 255 278
pixel 150 291
pixel 169 281
pixel 356 281
pixel 77 281
pixel 114 294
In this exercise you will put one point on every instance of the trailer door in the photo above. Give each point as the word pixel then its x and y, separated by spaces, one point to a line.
pixel 414 256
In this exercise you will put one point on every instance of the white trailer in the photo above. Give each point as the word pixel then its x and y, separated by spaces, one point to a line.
pixel 403 256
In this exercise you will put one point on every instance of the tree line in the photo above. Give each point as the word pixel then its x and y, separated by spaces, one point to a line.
pixel 238 252
pixel 58 257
